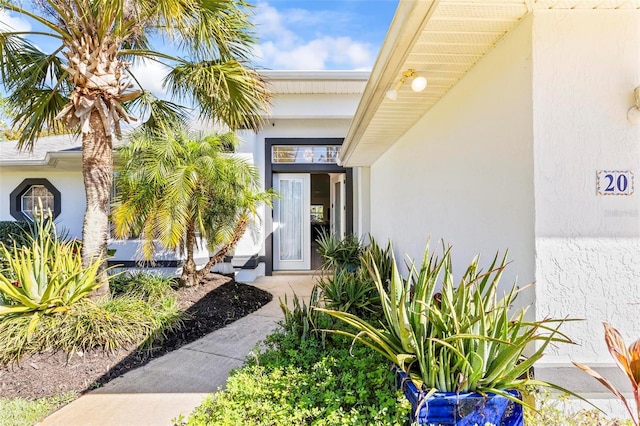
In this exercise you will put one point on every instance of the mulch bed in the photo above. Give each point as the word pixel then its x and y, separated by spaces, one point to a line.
pixel 213 304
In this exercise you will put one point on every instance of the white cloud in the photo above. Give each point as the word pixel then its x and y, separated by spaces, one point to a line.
pixel 12 23
pixel 294 39
pixel 150 74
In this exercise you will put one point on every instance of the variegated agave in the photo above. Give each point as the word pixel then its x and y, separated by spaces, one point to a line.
pixel 452 337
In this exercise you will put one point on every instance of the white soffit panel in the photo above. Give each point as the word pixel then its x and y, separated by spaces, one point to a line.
pixel 455 35
pixel 316 82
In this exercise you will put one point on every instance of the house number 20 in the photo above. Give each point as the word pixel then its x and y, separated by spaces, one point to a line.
pixel 614 182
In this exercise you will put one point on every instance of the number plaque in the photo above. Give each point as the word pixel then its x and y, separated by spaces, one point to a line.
pixel 614 182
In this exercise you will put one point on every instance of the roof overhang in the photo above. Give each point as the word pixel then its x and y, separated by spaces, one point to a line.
pixel 326 82
pixel 442 40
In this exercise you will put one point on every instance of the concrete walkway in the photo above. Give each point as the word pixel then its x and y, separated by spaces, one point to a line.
pixel 177 382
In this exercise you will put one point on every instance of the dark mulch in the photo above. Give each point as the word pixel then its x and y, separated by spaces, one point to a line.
pixel 216 302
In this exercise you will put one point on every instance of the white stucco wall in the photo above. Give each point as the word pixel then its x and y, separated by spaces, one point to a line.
pixel 71 188
pixel 464 172
pixel 292 116
pixel 586 65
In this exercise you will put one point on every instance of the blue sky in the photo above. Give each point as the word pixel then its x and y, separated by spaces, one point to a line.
pixel 321 34
pixel 297 35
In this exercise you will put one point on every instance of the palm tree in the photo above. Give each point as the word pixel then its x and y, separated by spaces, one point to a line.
pixel 86 83
pixel 175 188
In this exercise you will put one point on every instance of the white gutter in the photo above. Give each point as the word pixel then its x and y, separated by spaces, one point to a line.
pixel 410 18
pixel 49 159
pixel 303 75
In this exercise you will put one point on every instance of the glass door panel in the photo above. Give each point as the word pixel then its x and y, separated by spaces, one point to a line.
pixel 292 222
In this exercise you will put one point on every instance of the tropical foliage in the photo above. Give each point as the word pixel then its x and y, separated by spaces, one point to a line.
pixel 87 82
pixel 461 339
pixel 339 253
pixel 44 276
pixel 141 316
pixel 313 382
pixel 175 188
pixel 628 360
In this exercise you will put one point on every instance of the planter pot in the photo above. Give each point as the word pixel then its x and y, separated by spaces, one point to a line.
pixel 464 409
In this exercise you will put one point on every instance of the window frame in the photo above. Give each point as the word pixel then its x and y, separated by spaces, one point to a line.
pixel 15 199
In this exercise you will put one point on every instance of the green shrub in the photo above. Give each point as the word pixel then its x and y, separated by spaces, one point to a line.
pixel 306 383
pixel 14 232
pixel 352 292
pixel 382 258
pixel 301 320
pixel 337 254
pixel 108 324
pixel 45 276
pixel 148 286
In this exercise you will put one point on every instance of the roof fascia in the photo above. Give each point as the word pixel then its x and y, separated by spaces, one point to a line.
pixel 410 17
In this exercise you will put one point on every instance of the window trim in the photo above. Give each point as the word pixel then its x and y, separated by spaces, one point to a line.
pixel 15 199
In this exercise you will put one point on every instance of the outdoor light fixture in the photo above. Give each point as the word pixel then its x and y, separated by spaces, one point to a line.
pixel 418 84
pixel 633 114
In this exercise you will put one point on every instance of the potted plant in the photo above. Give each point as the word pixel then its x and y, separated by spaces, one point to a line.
pixel 459 349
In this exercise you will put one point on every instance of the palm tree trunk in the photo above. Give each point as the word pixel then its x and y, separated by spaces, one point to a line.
pixel 189 276
pixel 97 171
pixel 238 232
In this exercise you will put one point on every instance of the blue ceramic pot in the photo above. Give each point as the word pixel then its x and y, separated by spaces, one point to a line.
pixel 464 409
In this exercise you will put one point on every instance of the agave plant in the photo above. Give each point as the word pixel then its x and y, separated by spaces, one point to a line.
pixel 628 359
pixel 463 338
pixel 45 276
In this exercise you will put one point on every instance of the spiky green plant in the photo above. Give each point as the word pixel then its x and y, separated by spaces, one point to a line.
pixel 45 276
pixel 464 338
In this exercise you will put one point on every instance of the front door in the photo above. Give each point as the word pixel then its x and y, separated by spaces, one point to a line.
pixel 292 222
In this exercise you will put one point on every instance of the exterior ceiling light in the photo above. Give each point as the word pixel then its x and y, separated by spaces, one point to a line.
pixel 418 84
pixel 633 114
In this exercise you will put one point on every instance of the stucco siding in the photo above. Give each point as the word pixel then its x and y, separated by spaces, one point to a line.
pixel 586 65
pixel 71 188
pixel 464 172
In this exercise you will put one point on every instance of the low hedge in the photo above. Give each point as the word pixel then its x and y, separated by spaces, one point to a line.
pixel 307 383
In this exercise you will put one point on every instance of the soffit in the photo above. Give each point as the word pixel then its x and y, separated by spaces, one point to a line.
pixel 316 82
pixel 442 40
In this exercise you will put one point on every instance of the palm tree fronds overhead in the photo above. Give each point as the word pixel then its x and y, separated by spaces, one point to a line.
pixel 86 82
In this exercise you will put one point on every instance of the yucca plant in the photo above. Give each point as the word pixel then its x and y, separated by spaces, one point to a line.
pixel 301 320
pixel 339 253
pixel 45 276
pixel 353 292
pixel 628 360
pixel 463 338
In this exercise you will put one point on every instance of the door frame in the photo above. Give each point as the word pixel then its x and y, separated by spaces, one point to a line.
pixel 305 262
pixel 270 169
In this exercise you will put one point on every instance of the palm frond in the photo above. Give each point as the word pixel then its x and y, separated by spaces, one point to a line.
pixel 158 113
pixel 226 91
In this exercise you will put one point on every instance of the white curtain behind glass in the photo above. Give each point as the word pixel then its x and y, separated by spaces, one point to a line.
pixel 291 210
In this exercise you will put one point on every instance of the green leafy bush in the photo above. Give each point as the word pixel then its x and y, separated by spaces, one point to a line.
pixel 14 232
pixel 306 383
